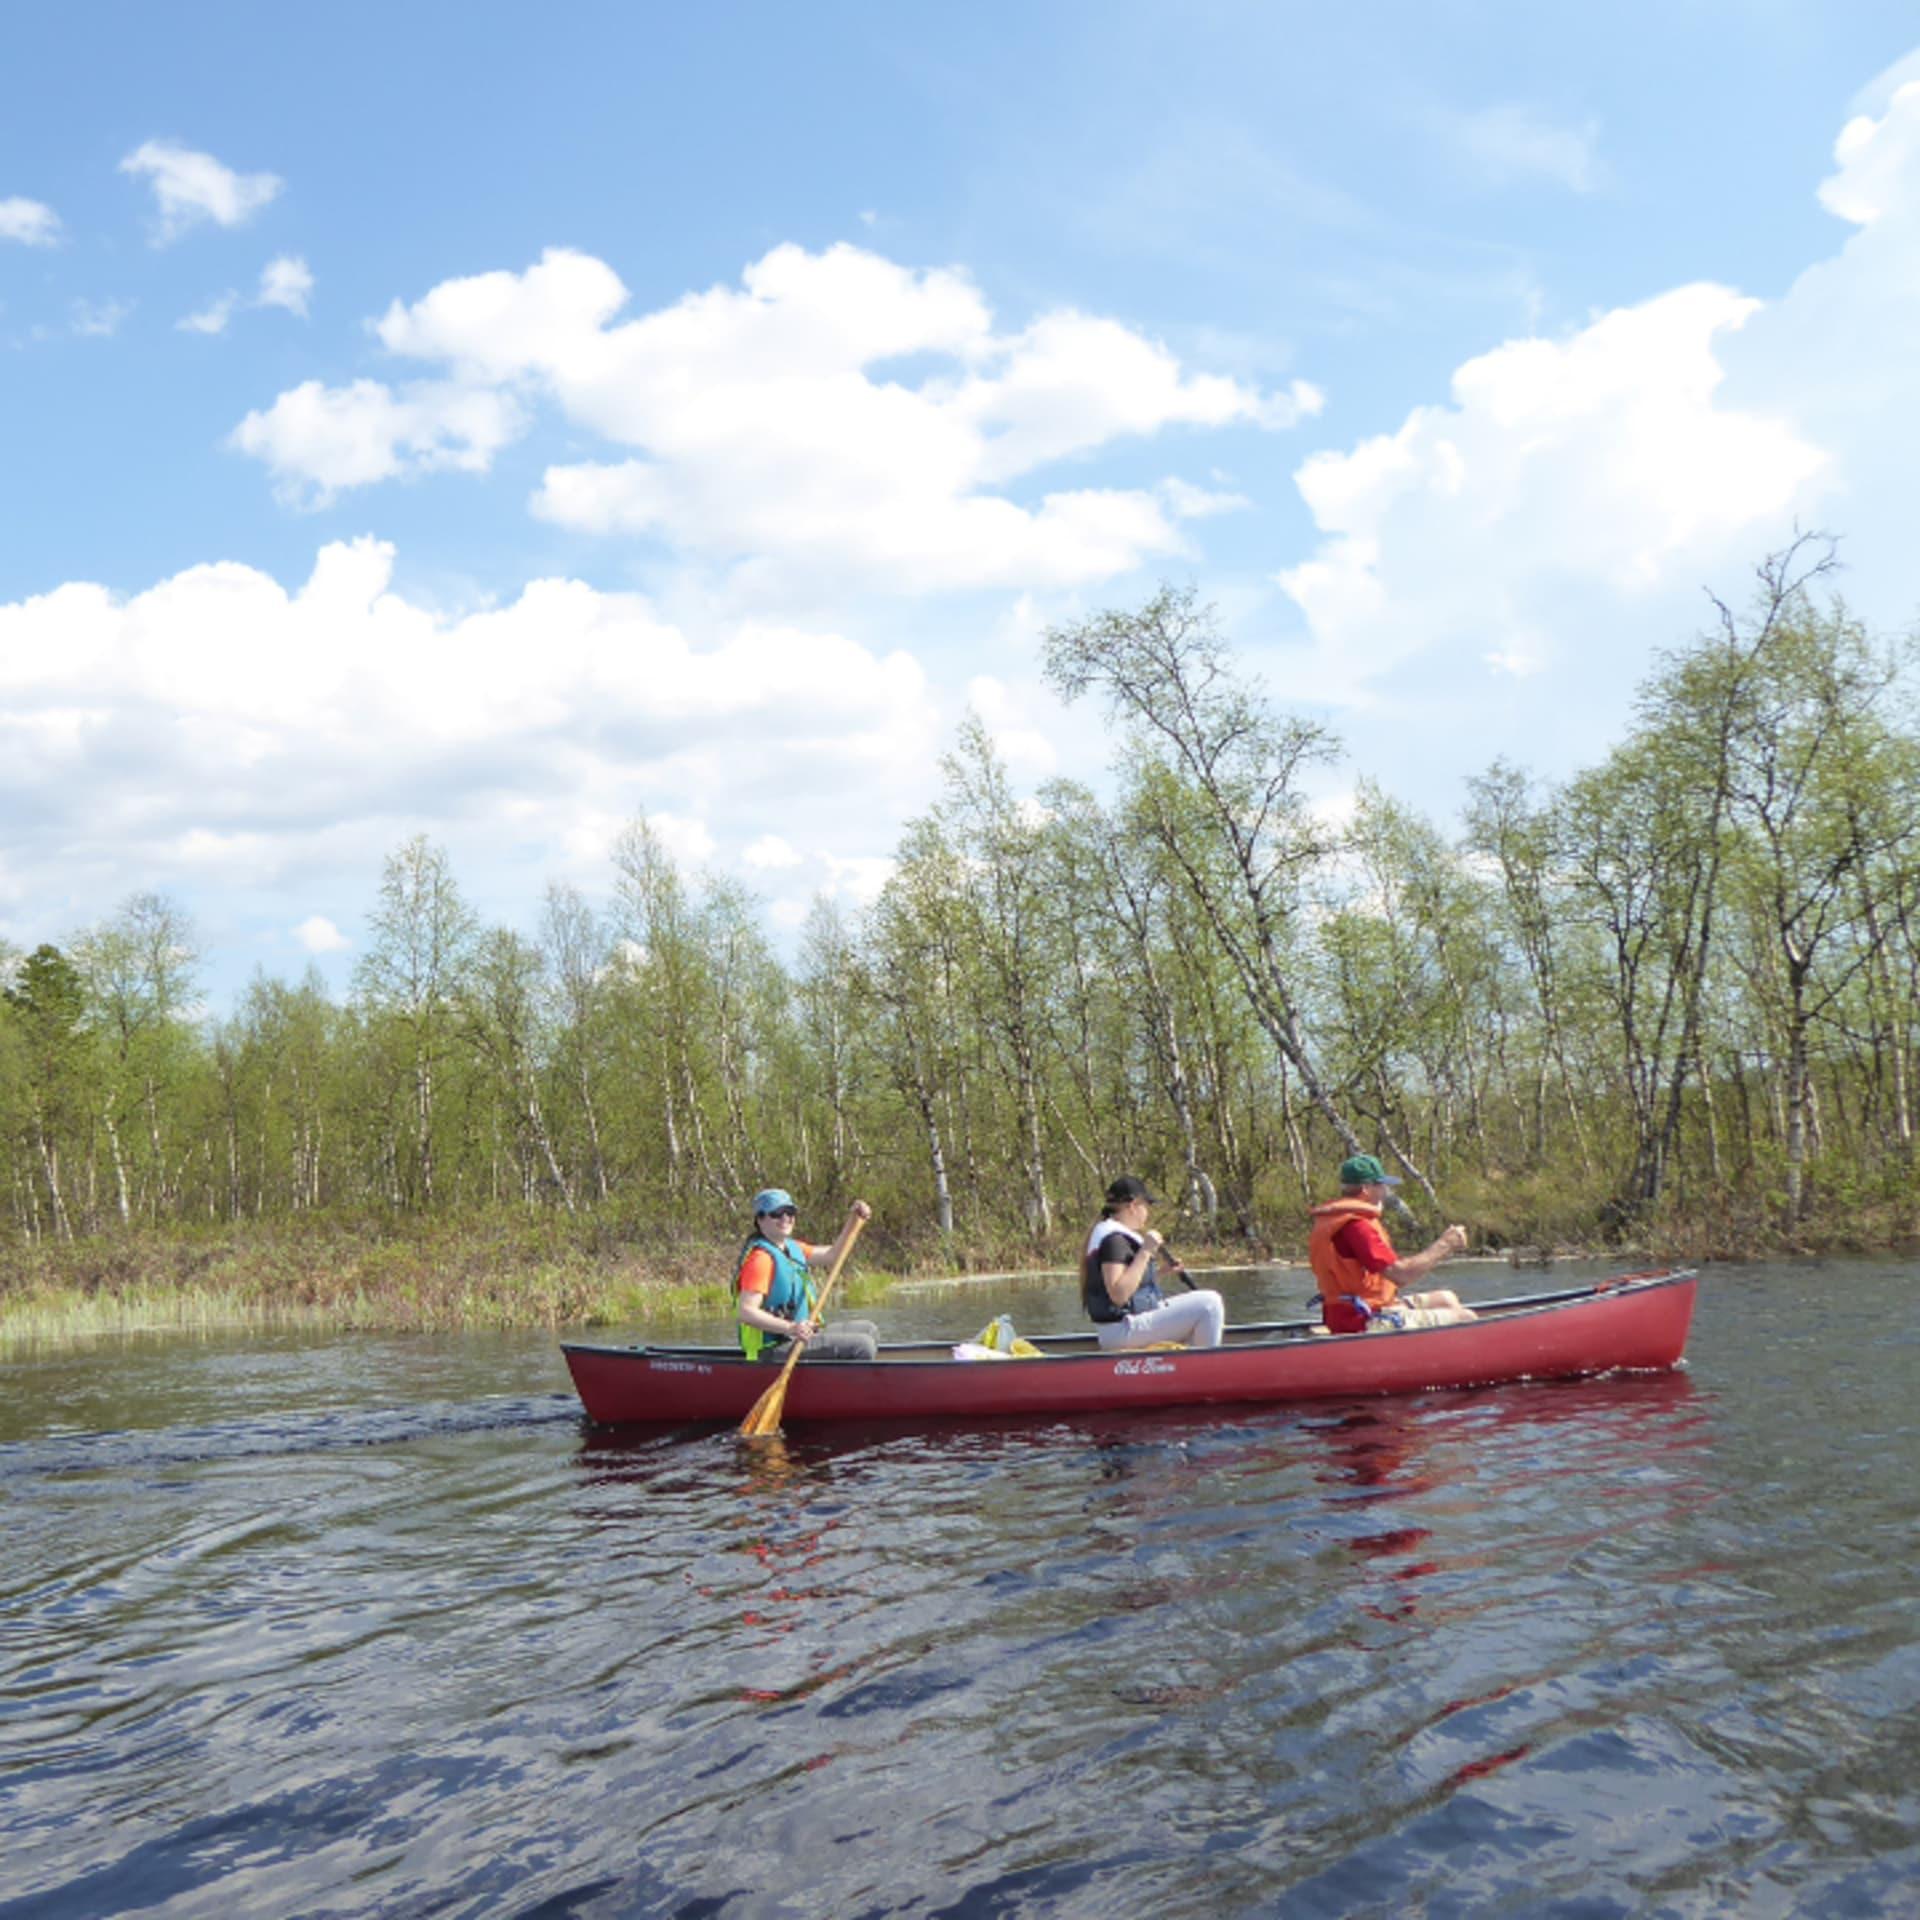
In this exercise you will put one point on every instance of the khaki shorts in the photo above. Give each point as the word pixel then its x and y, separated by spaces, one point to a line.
pixel 1401 1318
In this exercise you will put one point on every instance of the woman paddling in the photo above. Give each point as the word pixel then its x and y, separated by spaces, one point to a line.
pixel 1118 1284
pixel 776 1292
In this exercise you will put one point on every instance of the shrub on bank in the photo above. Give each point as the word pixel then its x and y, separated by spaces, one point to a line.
pixel 496 1270
pixel 513 1267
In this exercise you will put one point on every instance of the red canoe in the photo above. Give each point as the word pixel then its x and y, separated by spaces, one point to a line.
pixel 1637 1323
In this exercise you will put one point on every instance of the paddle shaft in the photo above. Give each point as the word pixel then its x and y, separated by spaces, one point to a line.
pixel 1178 1266
pixel 764 1415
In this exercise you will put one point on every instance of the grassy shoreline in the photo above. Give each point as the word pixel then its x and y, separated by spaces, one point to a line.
pixel 366 1277
pixel 516 1271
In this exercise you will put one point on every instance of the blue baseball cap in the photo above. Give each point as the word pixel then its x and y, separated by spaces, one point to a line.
pixel 772 1200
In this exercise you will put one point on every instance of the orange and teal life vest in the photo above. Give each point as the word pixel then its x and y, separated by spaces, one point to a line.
pixel 790 1296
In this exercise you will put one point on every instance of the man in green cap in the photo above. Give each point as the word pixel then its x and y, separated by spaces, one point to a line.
pixel 1360 1275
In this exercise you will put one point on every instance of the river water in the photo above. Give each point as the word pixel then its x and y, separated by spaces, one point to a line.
pixel 346 1625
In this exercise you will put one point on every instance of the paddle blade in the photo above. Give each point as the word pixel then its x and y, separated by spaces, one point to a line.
pixel 763 1417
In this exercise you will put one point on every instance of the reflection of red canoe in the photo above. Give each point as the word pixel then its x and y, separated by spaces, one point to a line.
pixel 1637 1323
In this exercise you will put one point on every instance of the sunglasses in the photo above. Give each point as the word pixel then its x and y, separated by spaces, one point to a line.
pixel 781 1213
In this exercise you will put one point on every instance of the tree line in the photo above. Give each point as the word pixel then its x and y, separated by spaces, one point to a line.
pixel 1678 986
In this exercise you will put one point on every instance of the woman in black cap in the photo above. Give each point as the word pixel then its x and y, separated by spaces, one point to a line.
pixel 1118 1285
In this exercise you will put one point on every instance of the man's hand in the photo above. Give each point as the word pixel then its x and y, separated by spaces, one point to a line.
pixel 804 1330
pixel 1454 1240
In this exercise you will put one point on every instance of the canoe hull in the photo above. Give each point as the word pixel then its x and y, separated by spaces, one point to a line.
pixel 1637 1326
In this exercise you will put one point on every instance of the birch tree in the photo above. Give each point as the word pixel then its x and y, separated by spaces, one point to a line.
pixel 414 970
pixel 1217 778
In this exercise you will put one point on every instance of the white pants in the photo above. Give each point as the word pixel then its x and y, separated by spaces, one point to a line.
pixel 1195 1319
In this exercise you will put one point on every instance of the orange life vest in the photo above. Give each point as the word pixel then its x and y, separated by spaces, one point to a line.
pixel 1340 1276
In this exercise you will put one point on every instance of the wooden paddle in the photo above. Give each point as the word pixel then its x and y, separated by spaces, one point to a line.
pixel 763 1417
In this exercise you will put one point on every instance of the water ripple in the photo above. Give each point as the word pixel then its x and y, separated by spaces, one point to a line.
pixel 1634 1647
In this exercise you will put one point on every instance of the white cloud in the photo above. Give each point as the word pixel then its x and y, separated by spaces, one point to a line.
pixel 318 934
pixel 859 879
pixel 1287 406
pixel 1188 502
pixel 688 841
pixel 1516 660
pixel 1511 142
pixel 286 282
pixel 1609 458
pixel 233 857
pixel 211 318
pixel 222 726
pixel 190 187
pixel 833 414
pixel 1018 736
pixel 1878 157
pixel 99 319
pixel 317 440
pixel 28 222
pixel 1503 566
pixel 770 853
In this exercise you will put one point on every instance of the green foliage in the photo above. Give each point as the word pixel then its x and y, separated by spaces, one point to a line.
pixel 1673 1001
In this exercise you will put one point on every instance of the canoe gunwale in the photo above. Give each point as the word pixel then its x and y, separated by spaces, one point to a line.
pixel 1284 1333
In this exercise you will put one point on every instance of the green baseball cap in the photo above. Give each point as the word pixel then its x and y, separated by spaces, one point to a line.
pixel 1363 1170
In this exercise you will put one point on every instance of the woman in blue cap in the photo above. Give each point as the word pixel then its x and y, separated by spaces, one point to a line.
pixel 775 1287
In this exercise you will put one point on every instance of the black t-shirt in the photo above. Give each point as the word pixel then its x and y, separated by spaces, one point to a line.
pixel 1117 1249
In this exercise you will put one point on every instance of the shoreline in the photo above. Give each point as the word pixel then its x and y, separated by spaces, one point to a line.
pixel 391 1275
pixel 39 1316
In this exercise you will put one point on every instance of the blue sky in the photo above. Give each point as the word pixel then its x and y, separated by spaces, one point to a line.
pixel 492 421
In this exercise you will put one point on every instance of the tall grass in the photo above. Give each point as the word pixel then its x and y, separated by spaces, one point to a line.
pixel 496 1271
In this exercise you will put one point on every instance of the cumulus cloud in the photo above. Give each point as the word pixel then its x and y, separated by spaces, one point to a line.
pixel 1188 502
pixel 1609 457
pixel 1876 158
pixel 859 878
pixel 1017 729
pixel 688 841
pixel 318 934
pixel 212 318
pixel 833 412
pixel 318 440
pixel 1521 549
pixel 286 282
pixel 28 222
pixel 190 187
pixel 770 853
pixel 222 725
